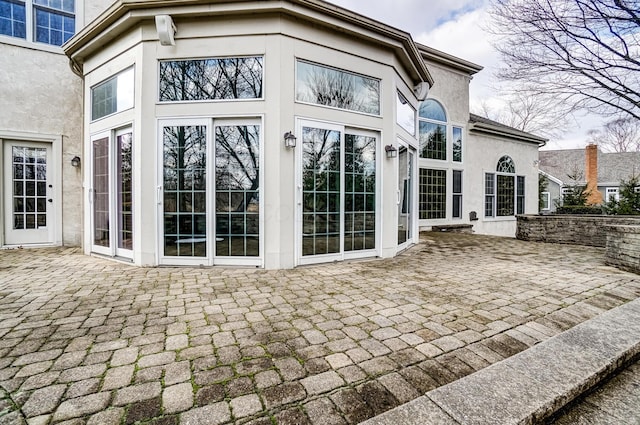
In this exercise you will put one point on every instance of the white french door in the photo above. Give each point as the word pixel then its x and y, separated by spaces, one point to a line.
pixel 406 190
pixel 337 193
pixel 28 193
pixel 111 193
pixel 209 192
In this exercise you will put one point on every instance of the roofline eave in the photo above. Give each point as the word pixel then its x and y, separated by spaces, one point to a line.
pixel 124 14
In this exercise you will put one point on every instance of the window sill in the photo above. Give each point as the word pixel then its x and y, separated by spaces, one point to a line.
pixel 19 42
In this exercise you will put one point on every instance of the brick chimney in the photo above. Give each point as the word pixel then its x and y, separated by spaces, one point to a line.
pixel 591 168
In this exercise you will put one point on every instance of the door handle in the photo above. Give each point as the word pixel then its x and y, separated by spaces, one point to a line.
pixel 49 200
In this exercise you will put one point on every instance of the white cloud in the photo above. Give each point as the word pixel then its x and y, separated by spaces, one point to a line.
pixel 456 27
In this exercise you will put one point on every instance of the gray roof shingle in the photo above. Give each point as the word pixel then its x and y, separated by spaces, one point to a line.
pixel 612 167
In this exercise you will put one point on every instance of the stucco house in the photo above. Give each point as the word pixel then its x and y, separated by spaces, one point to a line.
pixel 270 133
pixel 600 172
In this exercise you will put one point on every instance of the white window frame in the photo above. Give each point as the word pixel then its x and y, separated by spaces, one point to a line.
pixel 342 254
pixel 29 39
pixel 211 259
pixel 612 191
pixel 546 200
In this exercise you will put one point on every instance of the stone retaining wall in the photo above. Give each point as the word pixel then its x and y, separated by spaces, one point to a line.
pixel 570 229
pixel 623 247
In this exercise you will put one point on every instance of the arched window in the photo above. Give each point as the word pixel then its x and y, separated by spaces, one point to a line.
pixel 433 130
pixel 432 110
pixel 506 165
pixel 504 191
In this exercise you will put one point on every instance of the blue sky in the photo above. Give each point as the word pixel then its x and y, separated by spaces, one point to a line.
pixel 455 27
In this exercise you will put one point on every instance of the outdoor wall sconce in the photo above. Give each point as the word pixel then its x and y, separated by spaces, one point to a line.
pixel 289 139
pixel 391 151
pixel 166 30
pixel 75 161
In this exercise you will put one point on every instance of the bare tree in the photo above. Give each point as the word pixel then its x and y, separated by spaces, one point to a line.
pixel 618 135
pixel 526 112
pixel 582 53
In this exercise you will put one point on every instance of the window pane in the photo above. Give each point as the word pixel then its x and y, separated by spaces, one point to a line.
pixel 12 19
pixel 113 95
pixel 211 79
pixel 125 191
pixel 320 157
pixel 101 227
pixel 53 28
pixel 185 156
pixel 406 115
pixel 489 191
pixel 237 190
pixel 521 192
pixel 457 144
pixel 433 194
pixel 326 86
pixel 431 109
pixel 360 154
pixel 506 165
pixel 433 141
pixel 505 195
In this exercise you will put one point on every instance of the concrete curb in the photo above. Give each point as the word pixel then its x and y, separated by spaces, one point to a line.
pixel 534 384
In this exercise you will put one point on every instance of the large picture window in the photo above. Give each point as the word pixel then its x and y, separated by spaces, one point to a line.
pixel 433 130
pixel 54 20
pixel 504 191
pixel 326 86
pixel 211 79
pixel 433 194
pixel 114 95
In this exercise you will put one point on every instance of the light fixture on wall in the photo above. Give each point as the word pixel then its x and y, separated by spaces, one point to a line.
pixel 289 139
pixel 166 30
pixel 391 151
pixel 75 161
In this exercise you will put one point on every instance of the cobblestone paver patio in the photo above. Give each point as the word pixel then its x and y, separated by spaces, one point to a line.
pixel 89 341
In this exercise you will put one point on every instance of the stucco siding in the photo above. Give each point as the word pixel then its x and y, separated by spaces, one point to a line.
pixel 50 106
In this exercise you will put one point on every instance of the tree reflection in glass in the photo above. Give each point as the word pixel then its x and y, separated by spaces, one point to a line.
pixel 321 191
pixel 211 79
pixel 237 190
pixel 360 192
pixel 184 161
pixel 321 85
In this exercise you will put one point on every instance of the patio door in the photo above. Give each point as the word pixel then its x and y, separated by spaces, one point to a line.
pixel 337 193
pixel 111 193
pixel 405 195
pixel 209 195
pixel 28 193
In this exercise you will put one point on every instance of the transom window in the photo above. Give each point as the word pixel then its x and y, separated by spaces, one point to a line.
pixel 43 21
pixel 211 79
pixel 322 85
pixel 504 191
pixel 433 130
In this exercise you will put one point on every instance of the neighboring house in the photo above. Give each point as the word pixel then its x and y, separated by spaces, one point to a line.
pixel 601 172
pixel 269 133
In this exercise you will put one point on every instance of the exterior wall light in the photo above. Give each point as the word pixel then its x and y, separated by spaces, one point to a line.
pixel 166 30
pixel 75 161
pixel 289 139
pixel 391 151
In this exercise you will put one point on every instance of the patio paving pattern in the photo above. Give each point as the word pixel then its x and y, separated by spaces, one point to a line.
pixel 85 340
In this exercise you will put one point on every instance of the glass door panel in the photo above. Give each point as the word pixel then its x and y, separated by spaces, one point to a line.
pixel 184 183
pixel 237 185
pixel 28 210
pixel 405 198
pixel 360 193
pixel 101 195
pixel 321 168
pixel 124 191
